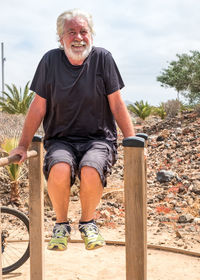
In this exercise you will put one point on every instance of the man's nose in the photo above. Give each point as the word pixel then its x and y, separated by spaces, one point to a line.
pixel 78 36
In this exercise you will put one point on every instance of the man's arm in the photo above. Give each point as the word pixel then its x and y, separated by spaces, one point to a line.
pixel 121 114
pixel 33 120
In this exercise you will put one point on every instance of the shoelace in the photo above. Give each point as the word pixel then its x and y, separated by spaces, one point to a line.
pixel 60 231
pixel 89 229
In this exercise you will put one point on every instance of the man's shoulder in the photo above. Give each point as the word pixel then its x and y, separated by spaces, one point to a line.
pixel 100 51
pixel 53 53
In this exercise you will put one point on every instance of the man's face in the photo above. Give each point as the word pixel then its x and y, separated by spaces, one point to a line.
pixel 76 40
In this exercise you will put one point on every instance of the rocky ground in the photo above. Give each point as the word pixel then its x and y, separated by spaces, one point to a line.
pixel 173 185
pixel 173 181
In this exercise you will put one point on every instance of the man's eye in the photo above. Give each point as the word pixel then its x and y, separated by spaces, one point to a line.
pixel 71 33
pixel 84 32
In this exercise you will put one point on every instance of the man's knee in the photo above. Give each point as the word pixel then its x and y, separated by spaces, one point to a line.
pixel 60 172
pixel 88 172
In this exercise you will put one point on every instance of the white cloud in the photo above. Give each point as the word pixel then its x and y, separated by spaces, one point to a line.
pixel 142 36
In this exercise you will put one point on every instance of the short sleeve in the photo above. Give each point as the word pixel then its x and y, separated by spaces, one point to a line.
pixel 112 76
pixel 38 84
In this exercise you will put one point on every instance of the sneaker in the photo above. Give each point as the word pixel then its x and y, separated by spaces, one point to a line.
pixel 60 237
pixel 91 236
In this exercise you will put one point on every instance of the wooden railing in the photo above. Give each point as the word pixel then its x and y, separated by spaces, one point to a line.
pixel 36 208
pixel 135 207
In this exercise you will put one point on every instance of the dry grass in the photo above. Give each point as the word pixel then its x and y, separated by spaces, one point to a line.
pixel 11 126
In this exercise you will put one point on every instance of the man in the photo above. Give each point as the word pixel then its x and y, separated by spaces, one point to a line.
pixel 78 97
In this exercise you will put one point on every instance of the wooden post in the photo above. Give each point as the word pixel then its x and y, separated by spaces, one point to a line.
pixel 135 208
pixel 5 161
pixel 36 211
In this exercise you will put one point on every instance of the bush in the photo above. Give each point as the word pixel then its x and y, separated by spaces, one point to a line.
pixel 15 101
pixel 14 170
pixel 140 109
pixel 172 107
pixel 197 109
pixel 159 111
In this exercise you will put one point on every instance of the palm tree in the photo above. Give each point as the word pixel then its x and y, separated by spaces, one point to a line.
pixel 13 169
pixel 160 111
pixel 140 109
pixel 16 101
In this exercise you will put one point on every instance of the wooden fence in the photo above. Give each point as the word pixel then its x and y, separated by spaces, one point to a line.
pixel 135 207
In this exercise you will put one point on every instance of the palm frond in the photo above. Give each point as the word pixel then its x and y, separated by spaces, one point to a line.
pixel 140 109
pixel 8 145
pixel 16 101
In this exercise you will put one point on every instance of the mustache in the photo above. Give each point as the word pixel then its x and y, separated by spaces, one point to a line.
pixel 81 43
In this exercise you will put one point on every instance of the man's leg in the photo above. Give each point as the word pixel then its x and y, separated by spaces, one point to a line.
pixel 91 190
pixel 94 166
pixel 59 170
pixel 90 194
pixel 59 189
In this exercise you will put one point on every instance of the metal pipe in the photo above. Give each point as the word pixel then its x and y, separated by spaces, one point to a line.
pixel 2 67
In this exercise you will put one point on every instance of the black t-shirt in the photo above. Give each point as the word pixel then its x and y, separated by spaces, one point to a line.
pixel 77 104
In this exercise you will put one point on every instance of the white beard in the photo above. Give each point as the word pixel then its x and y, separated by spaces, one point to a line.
pixel 78 56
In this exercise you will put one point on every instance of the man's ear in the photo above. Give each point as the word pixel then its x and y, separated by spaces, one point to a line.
pixel 61 41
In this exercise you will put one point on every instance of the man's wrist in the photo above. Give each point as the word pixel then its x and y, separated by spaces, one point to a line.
pixel 23 146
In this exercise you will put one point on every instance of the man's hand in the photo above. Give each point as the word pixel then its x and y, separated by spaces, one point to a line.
pixel 20 150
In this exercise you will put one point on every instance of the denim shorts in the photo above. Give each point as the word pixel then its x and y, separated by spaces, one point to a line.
pixel 97 154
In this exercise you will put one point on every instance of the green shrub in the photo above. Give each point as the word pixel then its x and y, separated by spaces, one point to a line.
pixel 140 109
pixel 197 109
pixel 14 170
pixel 15 101
pixel 159 111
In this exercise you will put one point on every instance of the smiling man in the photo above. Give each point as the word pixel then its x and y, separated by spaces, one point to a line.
pixel 76 40
pixel 78 99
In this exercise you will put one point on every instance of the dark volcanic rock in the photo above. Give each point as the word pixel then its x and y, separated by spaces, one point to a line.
pixel 160 138
pixel 165 176
pixel 196 189
pixel 185 219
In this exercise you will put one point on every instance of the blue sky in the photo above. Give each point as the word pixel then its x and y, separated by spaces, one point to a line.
pixel 142 35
